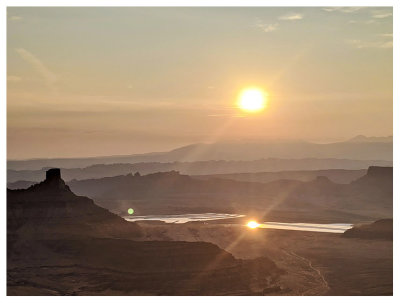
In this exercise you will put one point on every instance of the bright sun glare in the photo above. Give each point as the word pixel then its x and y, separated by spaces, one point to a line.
pixel 253 224
pixel 252 100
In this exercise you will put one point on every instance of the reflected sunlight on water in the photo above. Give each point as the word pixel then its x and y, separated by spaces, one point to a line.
pixel 182 218
pixel 327 228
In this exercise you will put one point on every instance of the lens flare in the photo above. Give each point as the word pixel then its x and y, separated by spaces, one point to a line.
pixel 130 211
pixel 252 224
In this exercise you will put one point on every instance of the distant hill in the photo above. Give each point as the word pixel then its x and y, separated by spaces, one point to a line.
pixel 381 229
pixel 377 184
pixel 342 176
pixel 359 148
pixel 364 139
pixel 157 184
pixel 376 175
pixel 20 184
pixel 199 168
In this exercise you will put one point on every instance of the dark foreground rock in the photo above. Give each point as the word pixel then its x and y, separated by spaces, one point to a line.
pixel 121 267
pixel 50 210
pixel 62 244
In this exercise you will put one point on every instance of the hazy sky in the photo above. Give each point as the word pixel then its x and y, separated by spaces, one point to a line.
pixel 103 81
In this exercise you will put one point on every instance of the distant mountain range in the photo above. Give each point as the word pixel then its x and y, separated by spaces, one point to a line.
pixel 358 148
pixel 364 139
pixel 336 175
pixel 198 168
pixel 342 176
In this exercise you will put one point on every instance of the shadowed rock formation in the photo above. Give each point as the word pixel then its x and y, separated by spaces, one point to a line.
pixel 50 208
pixel 381 229
pixel 62 244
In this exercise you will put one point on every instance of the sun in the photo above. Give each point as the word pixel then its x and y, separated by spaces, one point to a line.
pixel 252 100
pixel 252 224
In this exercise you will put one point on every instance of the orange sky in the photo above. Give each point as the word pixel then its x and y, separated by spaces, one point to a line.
pixel 103 81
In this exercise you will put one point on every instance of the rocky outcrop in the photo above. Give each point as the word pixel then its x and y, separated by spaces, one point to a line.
pixel 381 229
pixel 50 208
pixel 376 176
pixel 377 187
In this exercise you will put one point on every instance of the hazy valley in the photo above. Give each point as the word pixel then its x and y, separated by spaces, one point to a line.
pixel 65 231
